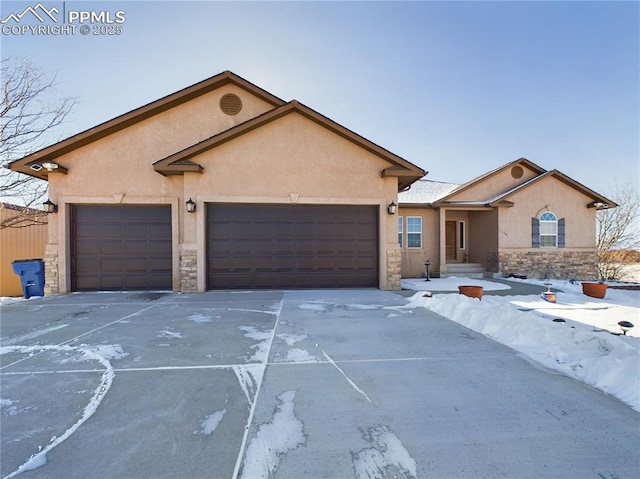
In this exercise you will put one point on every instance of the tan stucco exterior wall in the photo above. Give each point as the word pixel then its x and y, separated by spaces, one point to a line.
pixel 493 185
pixel 290 160
pixel 549 194
pixel 413 259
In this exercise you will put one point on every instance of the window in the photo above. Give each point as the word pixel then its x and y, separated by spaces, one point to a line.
pixel 400 230
pixel 414 232
pixel 548 230
pixel 461 236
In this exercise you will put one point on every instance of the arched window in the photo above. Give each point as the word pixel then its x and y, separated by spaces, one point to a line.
pixel 548 229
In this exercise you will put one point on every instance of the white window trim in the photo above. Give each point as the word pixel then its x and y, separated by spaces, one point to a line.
pixel 401 231
pixel 414 232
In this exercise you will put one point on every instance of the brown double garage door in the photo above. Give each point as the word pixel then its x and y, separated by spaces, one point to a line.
pixel 249 246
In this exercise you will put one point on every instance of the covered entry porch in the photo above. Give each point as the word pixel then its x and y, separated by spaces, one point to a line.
pixel 468 240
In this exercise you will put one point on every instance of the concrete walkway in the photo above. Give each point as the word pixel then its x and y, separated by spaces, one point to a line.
pixel 503 287
pixel 296 384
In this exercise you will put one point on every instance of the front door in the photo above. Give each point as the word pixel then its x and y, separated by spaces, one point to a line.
pixel 450 240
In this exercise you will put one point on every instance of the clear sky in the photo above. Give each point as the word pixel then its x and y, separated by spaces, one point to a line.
pixel 458 88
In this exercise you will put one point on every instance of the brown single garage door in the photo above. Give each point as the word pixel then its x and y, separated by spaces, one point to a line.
pixel 123 247
pixel 291 246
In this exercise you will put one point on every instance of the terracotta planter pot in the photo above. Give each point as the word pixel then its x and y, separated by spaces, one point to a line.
pixel 595 290
pixel 471 291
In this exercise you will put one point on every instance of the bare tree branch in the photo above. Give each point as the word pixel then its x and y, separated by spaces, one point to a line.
pixel 30 111
pixel 618 233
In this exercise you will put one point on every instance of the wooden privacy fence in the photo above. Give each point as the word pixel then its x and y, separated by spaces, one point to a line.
pixel 21 242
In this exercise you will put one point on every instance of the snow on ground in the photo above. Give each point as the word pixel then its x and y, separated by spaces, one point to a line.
pixel 582 347
pixel 449 284
pixel 9 300
pixel 102 354
pixel 387 453
pixel 285 433
pixel 211 422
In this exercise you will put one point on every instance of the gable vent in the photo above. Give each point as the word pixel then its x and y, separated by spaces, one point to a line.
pixel 517 172
pixel 230 104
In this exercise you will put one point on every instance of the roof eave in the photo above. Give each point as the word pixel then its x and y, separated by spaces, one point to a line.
pixel 118 123
pixel 406 172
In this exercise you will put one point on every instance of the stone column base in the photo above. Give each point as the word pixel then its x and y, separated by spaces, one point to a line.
pixel 394 265
pixel 51 272
pixel 189 271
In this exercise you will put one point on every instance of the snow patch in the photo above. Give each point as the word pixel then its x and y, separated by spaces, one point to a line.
pixel 200 318
pixel 249 376
pixel 292 339
pixel 10 299
pixel 211 422
pixel 363 306
pixel 273 440
pixel 166 334
pixel 9 406
pixel 387 458
pixel 262 347
pixel 313 306
pixel 299 356
pixel 107 351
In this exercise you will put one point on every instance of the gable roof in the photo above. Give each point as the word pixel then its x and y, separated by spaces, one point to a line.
pixel 118 123
pixel 433 193
pixel 521 161
pixel 598 201
pixel 182 161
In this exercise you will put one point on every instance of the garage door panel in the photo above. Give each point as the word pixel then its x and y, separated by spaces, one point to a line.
pixel 159 265
pixel 91 281
pixel 108 247
pixel 111 229
pixel 136 248
pixel 111 265
pixel 88 246
pixel 135 230
pixel 88 265
pixel 291 246
pixel 103 213
pixel 86 230
pixel 156 230
pixel 120 247
pixel 162 248
pixel 136 264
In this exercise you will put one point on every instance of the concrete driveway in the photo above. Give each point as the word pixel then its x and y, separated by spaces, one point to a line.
pixel 296 384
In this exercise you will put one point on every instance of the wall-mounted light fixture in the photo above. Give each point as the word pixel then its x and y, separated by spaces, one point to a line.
pixel 391 208
pixel 50 166
pixel 191 205
pixel 597 204
pixel 49 206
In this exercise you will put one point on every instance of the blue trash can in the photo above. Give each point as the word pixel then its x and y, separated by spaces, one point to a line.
pixel 31 272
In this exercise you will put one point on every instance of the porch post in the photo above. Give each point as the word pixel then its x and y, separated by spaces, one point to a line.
pixel 443 241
